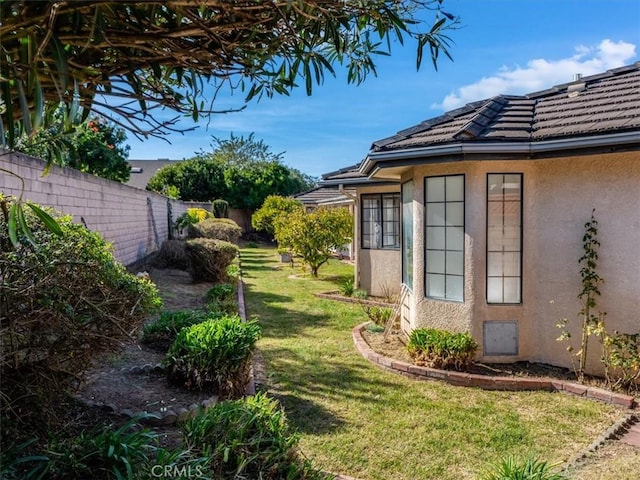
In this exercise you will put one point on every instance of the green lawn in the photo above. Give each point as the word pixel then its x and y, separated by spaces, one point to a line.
pixel 361 421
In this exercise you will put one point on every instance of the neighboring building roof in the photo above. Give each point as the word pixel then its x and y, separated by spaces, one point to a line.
pixel 143 170
pixel 595 111
pixel 349 176
pixel 350 172
pixel 326 196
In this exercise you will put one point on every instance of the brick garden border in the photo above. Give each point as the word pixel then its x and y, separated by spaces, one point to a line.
pixel 484 381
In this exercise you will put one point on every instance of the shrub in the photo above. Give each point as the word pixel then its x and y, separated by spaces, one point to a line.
pixel 69 300
pixel 220 208
pixel 172 255
pixel 360 294
pixel 216 229
pixel 191 217
pixel 214 355
pixel 273 207
pixel 530 469
pixel 233 273
pixel 621 358
pixel 347 288
pixel 101 453
pixel 441 349
pixel 209 259
pixel 222 297
pixel 162 331
pixel 248 438
pixel 378 315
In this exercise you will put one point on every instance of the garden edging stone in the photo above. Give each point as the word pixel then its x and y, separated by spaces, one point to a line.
pixel 484 381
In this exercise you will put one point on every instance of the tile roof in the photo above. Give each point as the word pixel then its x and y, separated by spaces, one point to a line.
pixel 350 172
pixel 324 195
pixel 599 104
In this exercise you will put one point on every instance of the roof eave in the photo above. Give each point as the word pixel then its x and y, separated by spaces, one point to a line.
pixel 370 166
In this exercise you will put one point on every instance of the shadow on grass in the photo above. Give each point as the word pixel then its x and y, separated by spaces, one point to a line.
pixel 307 385
pixel 312 376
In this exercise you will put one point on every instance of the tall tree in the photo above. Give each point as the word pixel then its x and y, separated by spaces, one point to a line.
pixel 242 170
pixel 152 54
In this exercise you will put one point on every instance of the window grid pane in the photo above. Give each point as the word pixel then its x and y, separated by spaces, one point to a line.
pixel 380 221
pixel 504 238
pixel 444 237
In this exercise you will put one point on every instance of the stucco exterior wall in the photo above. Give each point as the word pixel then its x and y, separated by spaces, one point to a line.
pixel 566 190
pixel 558 196
pixel 378 271
pixel 135 221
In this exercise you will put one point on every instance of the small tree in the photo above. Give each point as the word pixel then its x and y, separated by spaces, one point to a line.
pixel 273 207
pixel 315 235
pixel 592 320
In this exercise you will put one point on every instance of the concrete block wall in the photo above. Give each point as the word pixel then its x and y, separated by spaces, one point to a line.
pixel 135 221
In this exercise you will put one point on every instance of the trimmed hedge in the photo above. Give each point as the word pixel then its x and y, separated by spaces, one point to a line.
pixel 441 349
pixel 208 259
pixel 217 229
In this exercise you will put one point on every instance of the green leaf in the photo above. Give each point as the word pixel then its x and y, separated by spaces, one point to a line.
pixel 22 225
pixel 12 225
pixel 60 59
pixel 38 110
pixel 45 218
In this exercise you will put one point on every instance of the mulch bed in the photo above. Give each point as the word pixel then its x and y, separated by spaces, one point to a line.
pixel 395 348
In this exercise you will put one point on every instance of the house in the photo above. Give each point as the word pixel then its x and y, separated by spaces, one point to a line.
pixel 339 188
pixel 480 213
pixel 143 170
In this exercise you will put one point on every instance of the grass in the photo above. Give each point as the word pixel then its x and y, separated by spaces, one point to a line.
pixel 361 421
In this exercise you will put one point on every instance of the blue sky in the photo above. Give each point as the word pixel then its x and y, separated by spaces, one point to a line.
pixel 502 46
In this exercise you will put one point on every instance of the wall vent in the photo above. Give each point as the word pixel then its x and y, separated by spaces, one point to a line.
pixel 500 338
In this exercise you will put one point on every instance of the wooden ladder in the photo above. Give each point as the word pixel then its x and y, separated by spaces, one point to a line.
pixel 396 314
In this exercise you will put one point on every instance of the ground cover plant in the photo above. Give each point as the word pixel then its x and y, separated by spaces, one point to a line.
pixel 162 331
pixel 248 438
pixel 213 356
pixel 441 349
pixel 364 422
pixel 531 468
pixel 222 297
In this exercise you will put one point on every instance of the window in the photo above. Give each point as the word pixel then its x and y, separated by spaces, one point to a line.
pixel 407 234
pixel 381 220
pixel 444 237
pixel 504 238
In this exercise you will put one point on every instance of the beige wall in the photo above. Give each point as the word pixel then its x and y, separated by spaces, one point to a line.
pixel 124 215
pixel 559 195
pixel 377 271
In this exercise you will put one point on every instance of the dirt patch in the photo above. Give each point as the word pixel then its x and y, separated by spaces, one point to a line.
pixel 177 290
pixel 121 382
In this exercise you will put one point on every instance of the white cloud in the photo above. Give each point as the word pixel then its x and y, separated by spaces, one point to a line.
pixel 541 73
